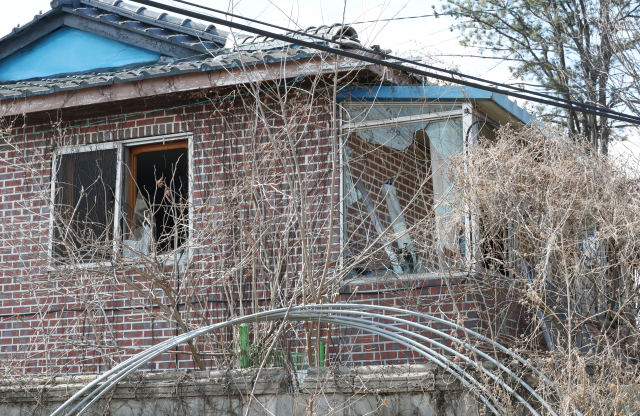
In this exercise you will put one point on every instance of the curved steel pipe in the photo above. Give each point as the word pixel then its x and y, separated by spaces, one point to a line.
pixel 322 313
pixel 446 364
pixel 463 357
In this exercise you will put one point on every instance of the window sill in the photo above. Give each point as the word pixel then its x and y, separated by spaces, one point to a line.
pixel 167 260
pixel 390 277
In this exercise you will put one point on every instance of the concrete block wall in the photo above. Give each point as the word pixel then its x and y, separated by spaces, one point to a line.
pixel 388 391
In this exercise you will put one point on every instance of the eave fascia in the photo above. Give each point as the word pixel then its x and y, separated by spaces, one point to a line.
pixel 151 87
pixel 498 105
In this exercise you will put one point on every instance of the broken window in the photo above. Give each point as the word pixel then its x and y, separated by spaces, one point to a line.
pixel 396 186
pixel 152 187
pixel 156 211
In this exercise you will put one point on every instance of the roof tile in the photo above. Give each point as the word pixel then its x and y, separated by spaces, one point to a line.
pixel 201 37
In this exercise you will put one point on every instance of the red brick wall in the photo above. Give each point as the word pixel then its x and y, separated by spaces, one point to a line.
pixel 52 325
pixel 228 149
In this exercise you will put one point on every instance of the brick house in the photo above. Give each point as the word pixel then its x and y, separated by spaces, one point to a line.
pixel 137 141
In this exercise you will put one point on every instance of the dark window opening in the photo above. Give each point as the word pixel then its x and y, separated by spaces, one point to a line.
pixel 157 202
pixel 494 244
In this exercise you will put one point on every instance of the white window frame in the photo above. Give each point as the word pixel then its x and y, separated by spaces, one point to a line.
pixel 400 121
pixel 121 147
pixel 465 114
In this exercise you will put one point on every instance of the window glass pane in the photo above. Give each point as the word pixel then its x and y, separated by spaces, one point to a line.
pixel 445 140
pixel 396 194
pixel 84 205
pixel 387 197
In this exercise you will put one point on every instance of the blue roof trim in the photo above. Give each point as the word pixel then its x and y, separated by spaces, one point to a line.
pixel 434 93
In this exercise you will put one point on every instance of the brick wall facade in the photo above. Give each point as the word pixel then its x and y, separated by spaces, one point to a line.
pixel 252 173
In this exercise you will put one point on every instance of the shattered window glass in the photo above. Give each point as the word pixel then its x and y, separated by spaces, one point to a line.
pixel 143 228
pixel 396 191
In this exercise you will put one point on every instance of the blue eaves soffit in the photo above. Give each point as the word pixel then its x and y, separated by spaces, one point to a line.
pixel 69 51
pixel 493 102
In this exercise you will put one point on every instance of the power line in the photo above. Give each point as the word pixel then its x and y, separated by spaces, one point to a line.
pixel 519 93
pixel 454 73
pixel 574 105
pixel 436 14
pixel 420 37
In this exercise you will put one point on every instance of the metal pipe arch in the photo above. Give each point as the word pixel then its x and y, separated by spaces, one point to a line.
pixel 320 312
pixel 432 356
pixel 461 343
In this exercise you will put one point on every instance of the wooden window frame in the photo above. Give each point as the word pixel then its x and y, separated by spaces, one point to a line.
pixel 134 151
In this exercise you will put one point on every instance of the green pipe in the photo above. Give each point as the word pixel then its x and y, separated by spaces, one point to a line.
pixel 243 356
pixel 321 353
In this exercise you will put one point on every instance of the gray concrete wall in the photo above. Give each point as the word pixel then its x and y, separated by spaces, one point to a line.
pixel 418 390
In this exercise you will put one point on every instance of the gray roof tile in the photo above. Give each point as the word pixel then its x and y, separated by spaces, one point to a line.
pixel 118 13
pixel 226 60
pixel 202 37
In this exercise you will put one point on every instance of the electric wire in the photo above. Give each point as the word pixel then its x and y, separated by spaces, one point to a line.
pixel 44 84
pixel 436 14
pixel 390 56
pixel 195 104
pixel 519 92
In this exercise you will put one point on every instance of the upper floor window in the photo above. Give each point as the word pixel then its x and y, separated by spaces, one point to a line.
pixel 127 199
pixel 396 185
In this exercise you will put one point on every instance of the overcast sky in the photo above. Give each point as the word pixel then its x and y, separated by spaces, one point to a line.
pixel 411 37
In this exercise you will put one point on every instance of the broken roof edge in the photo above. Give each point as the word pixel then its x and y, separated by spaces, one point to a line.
pixel 405 93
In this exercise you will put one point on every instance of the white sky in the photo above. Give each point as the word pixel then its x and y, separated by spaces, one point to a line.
pixel 414 37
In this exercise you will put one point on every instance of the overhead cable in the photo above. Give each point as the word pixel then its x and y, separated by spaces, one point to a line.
pixel 436 14
pixel 519 92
